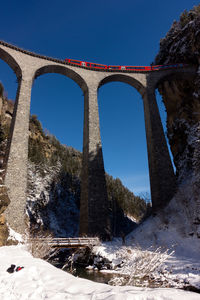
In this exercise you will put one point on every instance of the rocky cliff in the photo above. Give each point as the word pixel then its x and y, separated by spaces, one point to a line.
pixel 181 97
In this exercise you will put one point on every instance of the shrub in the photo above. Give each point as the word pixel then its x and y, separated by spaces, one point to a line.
pixel 39 247
pixel 34 120
pixel 184 18
pixel 139 265
pixel 36 152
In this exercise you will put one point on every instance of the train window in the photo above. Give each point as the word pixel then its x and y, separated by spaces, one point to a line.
pixel 97 66
pixel 83 64
pixel 114 67
pixel 74 61
pixel 131 68
pixel 88 64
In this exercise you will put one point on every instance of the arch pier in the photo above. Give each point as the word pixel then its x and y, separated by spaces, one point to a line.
pixel 161 173
pixel 94 214
pixel 17 157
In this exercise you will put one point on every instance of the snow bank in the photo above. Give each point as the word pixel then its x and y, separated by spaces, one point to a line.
pixel 40 280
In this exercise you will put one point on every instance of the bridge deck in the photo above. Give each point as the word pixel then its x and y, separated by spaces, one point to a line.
pixel 69 242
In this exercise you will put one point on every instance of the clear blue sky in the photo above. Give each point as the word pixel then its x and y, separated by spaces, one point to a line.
pixel 118 32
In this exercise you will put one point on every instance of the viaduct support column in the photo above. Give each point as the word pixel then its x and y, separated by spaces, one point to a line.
pixel 161 173
pixel 94 212
pixel 16 173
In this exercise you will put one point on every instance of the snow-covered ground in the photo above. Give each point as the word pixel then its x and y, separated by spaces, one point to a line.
pixel 40 280
pixel 153 266
pixel 173 230
pixel 162 253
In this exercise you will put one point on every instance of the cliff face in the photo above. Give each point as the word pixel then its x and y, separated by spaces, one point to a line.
pixel 182 42
pixel 181 97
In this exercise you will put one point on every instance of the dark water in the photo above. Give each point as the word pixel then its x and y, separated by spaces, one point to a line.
pixel 93 275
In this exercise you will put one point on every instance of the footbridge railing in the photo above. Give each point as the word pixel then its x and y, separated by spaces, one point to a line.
pixel 69 242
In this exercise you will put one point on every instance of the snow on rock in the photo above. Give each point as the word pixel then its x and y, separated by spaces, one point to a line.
pixel 40 280
pixel 15 236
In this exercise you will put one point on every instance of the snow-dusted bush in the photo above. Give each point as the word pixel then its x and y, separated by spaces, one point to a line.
pixel 39 247
pixel 138 265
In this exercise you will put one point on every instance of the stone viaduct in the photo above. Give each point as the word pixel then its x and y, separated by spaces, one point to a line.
pixel 94 214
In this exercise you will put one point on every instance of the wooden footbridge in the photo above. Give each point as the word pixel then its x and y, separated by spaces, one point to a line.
pixel 69 242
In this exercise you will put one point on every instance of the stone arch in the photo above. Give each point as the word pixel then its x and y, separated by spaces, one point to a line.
pixel 63 70
pixel 10 60
pixel 160 168
pixel 124 78
pixel 125 130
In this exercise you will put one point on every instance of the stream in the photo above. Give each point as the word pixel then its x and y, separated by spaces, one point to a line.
pixel 93 275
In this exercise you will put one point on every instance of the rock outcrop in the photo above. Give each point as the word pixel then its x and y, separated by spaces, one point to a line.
pixel 181 97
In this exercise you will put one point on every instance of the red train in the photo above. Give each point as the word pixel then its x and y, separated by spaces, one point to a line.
pixel 126 68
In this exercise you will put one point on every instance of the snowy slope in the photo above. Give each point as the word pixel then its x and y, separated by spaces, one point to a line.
pixel 50 202
pixel 40 280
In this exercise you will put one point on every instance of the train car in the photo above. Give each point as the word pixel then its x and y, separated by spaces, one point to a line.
pixel 138 68
pixel 114 67
pixel 73 61
pixel 97 66
pixel 85 64
pixel 122 68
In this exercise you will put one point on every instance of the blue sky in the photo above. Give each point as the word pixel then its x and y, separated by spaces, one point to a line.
pixel 112 32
